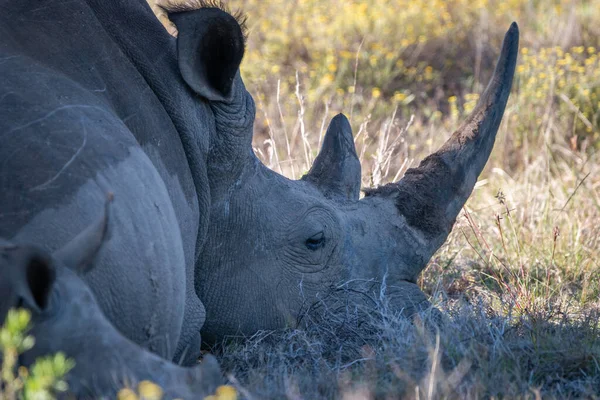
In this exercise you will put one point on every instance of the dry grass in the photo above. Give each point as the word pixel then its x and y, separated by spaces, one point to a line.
pixel 519 277
pixel 480 352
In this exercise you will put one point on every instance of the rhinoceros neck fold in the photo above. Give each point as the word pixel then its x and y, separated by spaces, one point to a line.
pixel 231 148
pixel 236 117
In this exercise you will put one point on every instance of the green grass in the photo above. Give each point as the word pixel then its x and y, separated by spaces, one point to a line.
pixel 44 379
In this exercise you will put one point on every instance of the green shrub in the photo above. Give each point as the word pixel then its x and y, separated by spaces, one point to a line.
pixel 45 377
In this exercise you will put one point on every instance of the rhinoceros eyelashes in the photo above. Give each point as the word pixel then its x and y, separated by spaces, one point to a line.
pixel 336 170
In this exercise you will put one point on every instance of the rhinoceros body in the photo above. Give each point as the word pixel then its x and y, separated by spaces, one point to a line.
pixel 91 101
pixel 67 318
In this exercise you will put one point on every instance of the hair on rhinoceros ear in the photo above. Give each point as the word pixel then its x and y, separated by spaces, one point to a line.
pixel 336 170
pixel 210 48
pixel 80 252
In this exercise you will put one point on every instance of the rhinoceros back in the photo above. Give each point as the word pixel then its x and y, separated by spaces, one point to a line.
pixel 86 108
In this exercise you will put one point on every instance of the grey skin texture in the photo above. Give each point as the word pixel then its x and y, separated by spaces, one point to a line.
pixel 276 246
pixel 66 317
pixel 92 101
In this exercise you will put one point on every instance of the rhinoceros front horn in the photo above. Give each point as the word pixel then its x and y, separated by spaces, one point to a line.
pixel 336 170
pixel 431 195
pixel 79 253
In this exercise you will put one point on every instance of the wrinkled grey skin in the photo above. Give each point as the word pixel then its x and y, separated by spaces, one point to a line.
pixel 92 100
pixel 66 317
pixel 275 246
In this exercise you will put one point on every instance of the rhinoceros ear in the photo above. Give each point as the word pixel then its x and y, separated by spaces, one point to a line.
pixel 80 252
pixel 210 48
pixel 336 170
pixel 35 278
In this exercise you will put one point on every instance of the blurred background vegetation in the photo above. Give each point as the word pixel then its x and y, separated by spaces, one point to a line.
pixel 430 58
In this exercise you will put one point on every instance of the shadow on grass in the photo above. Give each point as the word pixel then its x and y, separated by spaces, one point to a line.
pixel 370 351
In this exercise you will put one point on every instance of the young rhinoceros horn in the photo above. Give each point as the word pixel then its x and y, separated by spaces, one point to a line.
pixel 431 195
pixel 80 252
pixel 336 170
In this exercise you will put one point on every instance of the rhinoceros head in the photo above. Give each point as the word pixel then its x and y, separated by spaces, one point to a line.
pixel 275 245
pixel 28 273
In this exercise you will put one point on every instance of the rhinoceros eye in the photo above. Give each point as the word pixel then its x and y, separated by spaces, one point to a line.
pixel 315 242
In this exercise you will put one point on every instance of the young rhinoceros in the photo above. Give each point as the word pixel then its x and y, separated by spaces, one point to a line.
pixel 66 318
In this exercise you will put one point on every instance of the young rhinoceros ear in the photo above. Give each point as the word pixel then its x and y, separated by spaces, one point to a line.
pixel 336 170
pixel 80 252
pixel 35 286
pixel 210 48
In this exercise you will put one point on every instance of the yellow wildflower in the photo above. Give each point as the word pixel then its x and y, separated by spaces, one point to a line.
pixel 326 79
pixel 399 96
pixel 373 60
pixel 150 390
pixel 127 394
pixel 226 392
pixel 559 51
pixel 23 372
pixel 429 72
